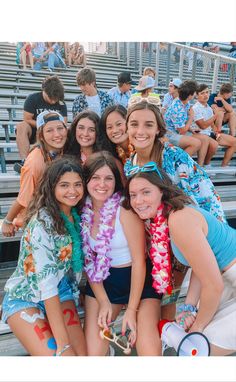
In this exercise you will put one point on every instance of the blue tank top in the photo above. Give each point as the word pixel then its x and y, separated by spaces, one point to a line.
pixel 221 238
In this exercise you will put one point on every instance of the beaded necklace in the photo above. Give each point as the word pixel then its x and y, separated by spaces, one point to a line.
pixel 74 230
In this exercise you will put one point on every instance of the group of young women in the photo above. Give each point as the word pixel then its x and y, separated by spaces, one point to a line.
pixel 123 226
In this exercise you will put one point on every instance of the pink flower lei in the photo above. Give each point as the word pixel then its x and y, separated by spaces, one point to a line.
pixel 97 262
pixel 160 252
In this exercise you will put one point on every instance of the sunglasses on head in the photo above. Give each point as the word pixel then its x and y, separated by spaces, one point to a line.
pixel 148 167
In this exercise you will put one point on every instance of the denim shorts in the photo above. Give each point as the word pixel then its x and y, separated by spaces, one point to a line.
pixel 10 306
pixel 174 138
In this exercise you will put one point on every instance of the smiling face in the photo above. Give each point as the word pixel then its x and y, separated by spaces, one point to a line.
pixel 116 128
pixel 142 129
pixel 69 191
pixel 86 132
pixel 54 134
pixel 101 185
pixel 145 198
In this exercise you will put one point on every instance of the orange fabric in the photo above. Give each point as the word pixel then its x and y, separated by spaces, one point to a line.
pixel 31 174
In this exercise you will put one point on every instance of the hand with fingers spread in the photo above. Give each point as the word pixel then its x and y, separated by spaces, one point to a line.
pixel 129 322
pixel 104 314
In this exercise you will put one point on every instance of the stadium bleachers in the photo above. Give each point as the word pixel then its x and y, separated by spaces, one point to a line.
pixel 16 84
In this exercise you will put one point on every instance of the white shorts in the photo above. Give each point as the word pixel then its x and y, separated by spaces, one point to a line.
pixel 221 331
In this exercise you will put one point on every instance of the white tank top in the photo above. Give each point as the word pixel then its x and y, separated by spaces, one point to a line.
pixel 120 253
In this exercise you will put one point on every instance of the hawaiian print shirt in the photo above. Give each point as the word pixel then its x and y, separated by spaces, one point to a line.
pixel 191 178
pixel 44 259
pixel 80 103
pixel 176 115
pixel 118 97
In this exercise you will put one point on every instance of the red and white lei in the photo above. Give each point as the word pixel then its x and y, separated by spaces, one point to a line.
pixel 159 252
pixel 97 262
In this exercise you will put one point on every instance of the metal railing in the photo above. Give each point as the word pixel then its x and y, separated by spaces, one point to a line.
pixel 177 60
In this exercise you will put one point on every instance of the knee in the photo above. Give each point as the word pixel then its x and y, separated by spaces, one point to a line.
pixel 196 143
pixel 23 128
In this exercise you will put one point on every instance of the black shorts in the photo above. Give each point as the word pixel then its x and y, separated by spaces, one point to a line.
pixel 117 285
pixel 213 135
pixel 33 135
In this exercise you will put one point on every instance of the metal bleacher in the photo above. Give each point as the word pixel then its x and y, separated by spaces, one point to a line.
pixel 15 85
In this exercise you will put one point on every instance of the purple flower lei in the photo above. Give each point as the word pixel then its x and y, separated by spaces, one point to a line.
pixel 97 262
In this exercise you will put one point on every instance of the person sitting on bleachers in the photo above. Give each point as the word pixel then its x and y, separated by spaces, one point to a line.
pixel 52 134
pixel 222 102
pixel 50 98
pixel 91 98
pixel 39 56
pixel 179 117
pixel 121 93
pixel 149 71
pixel 53 52
pixel 205 119
pixel 24 54
pixel 171 95
pixel 145 90
pixel 76 54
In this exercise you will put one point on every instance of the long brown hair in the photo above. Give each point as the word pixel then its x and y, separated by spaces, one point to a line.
pixel 44 196
pixel 174 198
pixel 156 153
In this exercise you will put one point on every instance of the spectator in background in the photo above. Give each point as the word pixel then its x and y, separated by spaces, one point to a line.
pixel 50 98
pixel 24 54
pixel 179 118
pixel 54 57
pixel 221 104
pixel 172 94
pixel 91 98
pixel 39 55
pixel 145 90
pixel 149 71
pixel 204 118
pixel 120 94
pixel 206 59
pixel 76 54
pixel 232 52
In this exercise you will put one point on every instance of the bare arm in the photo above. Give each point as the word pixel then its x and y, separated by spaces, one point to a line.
pixel 135 234
pixel 105 307
pixel 228 108
pixel 28 117
pixel 191 241
pixel 205 124
pixel 9 229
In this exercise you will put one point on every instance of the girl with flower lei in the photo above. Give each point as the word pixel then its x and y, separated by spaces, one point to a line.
pixel 114 250
pixel 39 304
pixel 193 233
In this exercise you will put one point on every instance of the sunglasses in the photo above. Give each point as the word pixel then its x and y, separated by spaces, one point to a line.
pixel 122 341
pixel 148 167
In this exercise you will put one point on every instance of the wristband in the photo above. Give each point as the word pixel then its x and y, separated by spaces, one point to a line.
pixel 187 308
pixel 6 221
pixel 63 350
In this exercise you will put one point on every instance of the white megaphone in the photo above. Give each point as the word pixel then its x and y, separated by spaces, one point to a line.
pixel 192 344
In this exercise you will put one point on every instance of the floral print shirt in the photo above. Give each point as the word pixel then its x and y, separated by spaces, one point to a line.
pixel 80 103
pixel 191 178
pixel 176 116
pixel 44 258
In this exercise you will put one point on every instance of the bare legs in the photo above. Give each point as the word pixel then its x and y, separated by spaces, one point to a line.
pixel 37 337
pixel 23 135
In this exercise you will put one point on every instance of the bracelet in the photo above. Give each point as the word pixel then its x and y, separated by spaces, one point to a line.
pixel 186 308
pixel 6 221
pixel 65 347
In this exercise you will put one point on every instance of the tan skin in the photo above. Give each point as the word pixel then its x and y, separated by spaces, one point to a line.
pixel 24 128
pixel 207 287
pixel 99 312
pixel 62 319
pixel 54 137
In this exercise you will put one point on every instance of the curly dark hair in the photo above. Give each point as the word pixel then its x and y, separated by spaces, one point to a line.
pixel 53 87
pixel 44 196
pixel 72 147
pixel 173 197
pixel 98 160
pixel 156 153
pixel 104 142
